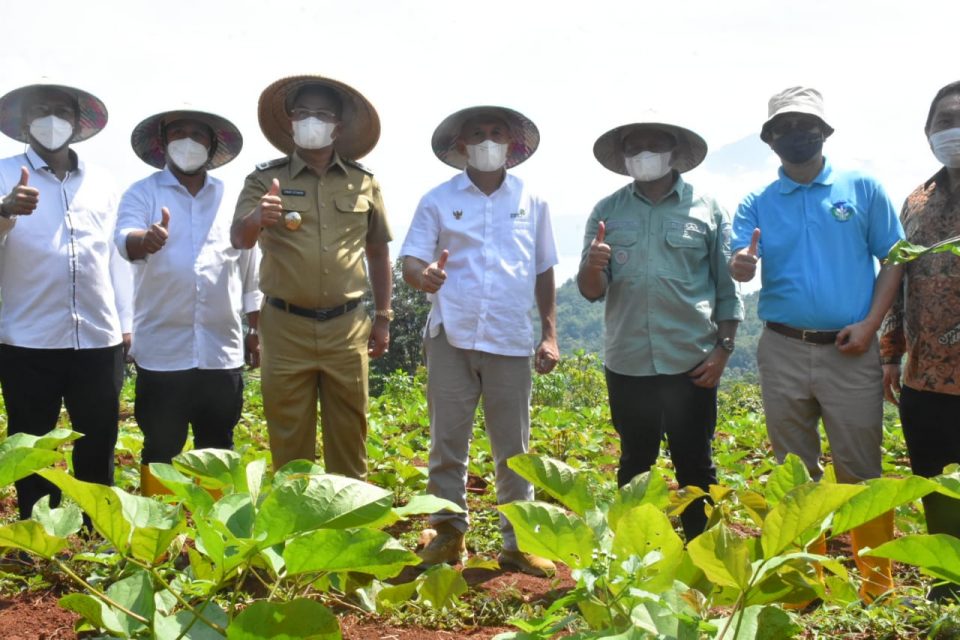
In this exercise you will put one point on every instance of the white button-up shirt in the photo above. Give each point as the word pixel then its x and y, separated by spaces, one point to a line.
pixel 189 295
pixel 62 284
pixel 498 245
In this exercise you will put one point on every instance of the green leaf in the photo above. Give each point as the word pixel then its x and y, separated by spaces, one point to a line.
pixel 880 496
pixel 562 482
pixel 93 611
pixel 102 505
pixel 50 440
pixel 785 477
pixel 426 503
pixel 547 530
pixel 723 556
pixel 937 554
pixel 198 500
pixel 235 511
pixel 31 536
pixel 171 627
pixel 643 530
pixel 134 592
pixel 903 251
pixel 801 509
pixel 60 522
pixel 215 468
pixel 19 462
pixel 256 474
pixel 336 550
pixel 441 586
pixel 295 620
pixel 306 503
pixel 397 594
pixel 647 488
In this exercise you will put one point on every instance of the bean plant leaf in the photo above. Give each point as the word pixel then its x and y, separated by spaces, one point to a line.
pixel 198 500
pixel 93 611
pixel 185 625
pixel 549 531
pixel 644 530
pixel 723 556
pixel 101 504
pixel 214 468
pixel 559 480
pixel 426 503
pixel 303 504
pixel 50 440
pixel 336 550
pixel 62 521
pixel 801 509
pixel 647 488
pixel 293 620
pixel 31 536
pixel 135 592
pixel 256 475
pixel 880 496
pixel 903 251
pixel 441 586
pixel 784 477
pixel 19 462
pixel 937 554
pixel 397 594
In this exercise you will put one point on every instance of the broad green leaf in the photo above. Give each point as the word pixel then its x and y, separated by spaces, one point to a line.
pixel 102 504
pixel 235 511
pixel 198 500
pixel 547 530
pixel 171 627
pixel 50 440
pixel 296 469
pixel 723 556
pixel 904 251
pixel 755 504
pixel 662 617
pixel 426 503
pixel 949 484
pixel 93 611
pixel 295 620
pixel 774 623
pixel 646 488
pixel 306 503
pixel 746 619
pixel 335 550
pixel 155 525
pixel 682 498
pixel 646 529
pixel 880 496
pixel 785 477
pixel 256 474
pixel 20 462
pixel 61 522
pixel 562 482
pixel 214 468
pixel 937 554
pixel 441 586
pixel 31 536
pixel 134 592
pixel 397 594
pixel 802 508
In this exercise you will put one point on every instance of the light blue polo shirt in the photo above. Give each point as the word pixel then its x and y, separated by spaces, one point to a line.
pixel 818 245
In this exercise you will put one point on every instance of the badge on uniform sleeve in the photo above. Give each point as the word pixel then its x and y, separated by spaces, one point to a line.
pixel 292 220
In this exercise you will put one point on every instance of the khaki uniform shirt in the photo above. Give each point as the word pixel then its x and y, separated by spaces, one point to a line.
pixel 321 263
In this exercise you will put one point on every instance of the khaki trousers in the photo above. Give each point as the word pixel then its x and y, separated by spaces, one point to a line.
pixel 802 383
pixel 456 380
pixel 303 359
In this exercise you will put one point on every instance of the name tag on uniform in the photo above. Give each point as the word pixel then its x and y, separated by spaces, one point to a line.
pixel 292 192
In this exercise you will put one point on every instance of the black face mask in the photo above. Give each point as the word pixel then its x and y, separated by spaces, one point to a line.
pixel 797 147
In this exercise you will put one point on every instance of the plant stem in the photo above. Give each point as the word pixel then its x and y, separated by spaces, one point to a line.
pixel 100 594
pixel 186 605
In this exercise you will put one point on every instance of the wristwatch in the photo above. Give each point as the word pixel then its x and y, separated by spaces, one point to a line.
pixel 384 313
pixel 726 344
pixel 252 331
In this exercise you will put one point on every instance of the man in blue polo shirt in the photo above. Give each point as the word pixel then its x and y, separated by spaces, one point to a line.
pixel 820 232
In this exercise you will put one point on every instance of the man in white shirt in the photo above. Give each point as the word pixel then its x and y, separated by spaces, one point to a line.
pixel 481 245
pixel 191 285
pixel 66 310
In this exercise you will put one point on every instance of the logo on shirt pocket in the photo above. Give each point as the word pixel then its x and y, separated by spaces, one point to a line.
pixel 842 210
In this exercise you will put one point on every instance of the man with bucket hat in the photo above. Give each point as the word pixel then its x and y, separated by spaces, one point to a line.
pixel 819 232
pixel 191 285
pixel 317 213
pixel 656 250
pixel 66 309
pixel 481 246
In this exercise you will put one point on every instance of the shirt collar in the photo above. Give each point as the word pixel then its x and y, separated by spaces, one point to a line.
pixel 298 164
pixel 37 163
pixel 825 177
pixel 676 189
pixel 464 183
pixel 168 179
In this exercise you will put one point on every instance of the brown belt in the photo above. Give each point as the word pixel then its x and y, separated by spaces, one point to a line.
pixel 804 335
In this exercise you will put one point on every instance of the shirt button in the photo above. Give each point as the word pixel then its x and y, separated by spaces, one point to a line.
pixel 323 226
pixel 326 270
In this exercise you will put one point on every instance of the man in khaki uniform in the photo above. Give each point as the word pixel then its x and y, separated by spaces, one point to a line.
pixel 317 213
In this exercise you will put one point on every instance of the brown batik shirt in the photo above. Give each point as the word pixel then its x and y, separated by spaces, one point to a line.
pixel 924 322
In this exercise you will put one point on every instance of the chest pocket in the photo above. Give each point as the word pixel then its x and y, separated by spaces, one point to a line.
pixel 625 258
pixel 352 214
pixel 686 247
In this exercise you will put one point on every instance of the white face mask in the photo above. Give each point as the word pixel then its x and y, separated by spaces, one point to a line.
pixel 946 147
pixel 51 132
pixel 487 156
pixel 187 155
pixel 648 166
pixel 313 133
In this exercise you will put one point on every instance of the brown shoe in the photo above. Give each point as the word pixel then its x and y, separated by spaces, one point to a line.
pixel 527 563
pixel 447 546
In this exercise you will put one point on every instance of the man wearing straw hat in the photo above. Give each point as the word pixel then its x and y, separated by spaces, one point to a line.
pixel 820 231
pixel 66 308
pixel 191 285
pixel 481 245
pixel 317 213
pixel 656 250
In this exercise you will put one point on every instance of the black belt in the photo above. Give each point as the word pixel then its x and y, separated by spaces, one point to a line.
pixel 804 335
pixel 316 314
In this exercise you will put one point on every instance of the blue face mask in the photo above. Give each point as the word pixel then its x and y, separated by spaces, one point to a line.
pixel 796 147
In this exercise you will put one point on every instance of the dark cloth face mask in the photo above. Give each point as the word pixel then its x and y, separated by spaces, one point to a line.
pixel 796 147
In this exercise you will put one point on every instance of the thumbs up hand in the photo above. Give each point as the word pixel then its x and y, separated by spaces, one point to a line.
pixel 598 256
pixel 157 234
pixel 434 275
pixel 269 210
pixel 23 199
pixel 743 264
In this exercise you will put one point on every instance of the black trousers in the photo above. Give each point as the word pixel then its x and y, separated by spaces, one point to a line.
pixel 87 382
pixel 169 402
pixel 644 409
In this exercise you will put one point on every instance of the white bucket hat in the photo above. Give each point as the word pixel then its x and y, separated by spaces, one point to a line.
pixel 795 100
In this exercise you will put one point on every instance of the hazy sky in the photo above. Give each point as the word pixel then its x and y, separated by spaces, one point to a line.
pixel 577 69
